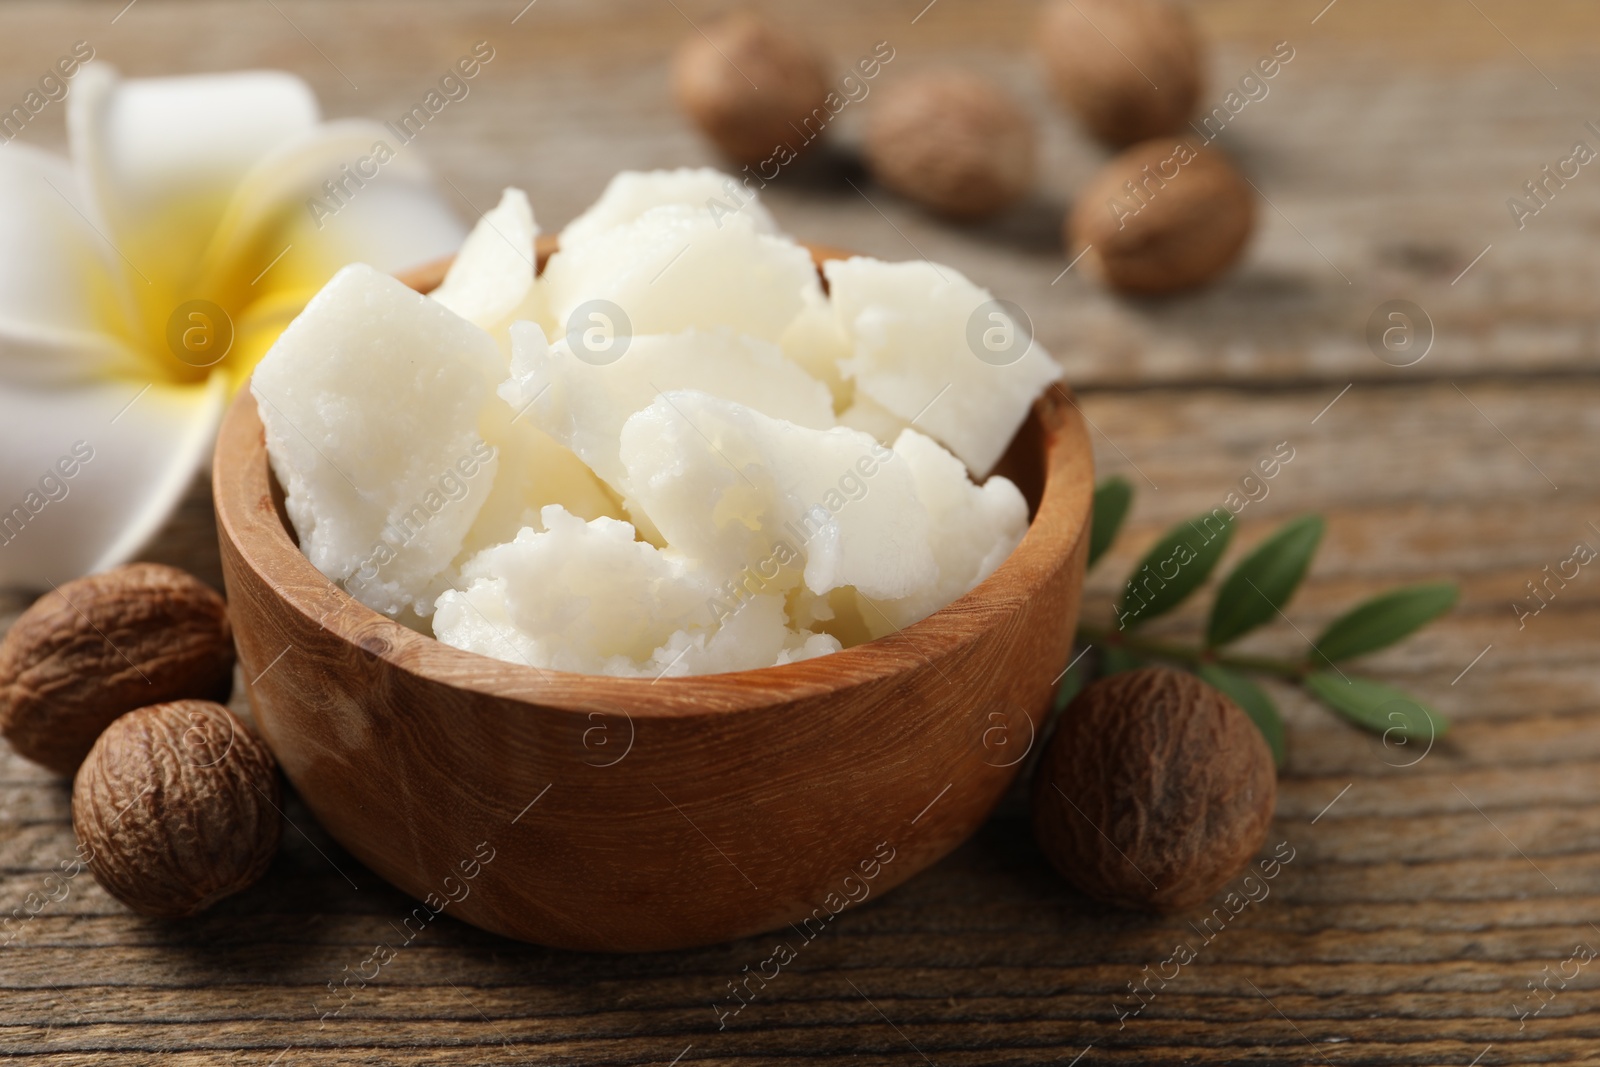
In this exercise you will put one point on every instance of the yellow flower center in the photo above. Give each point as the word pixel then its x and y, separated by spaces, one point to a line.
pixel 187 310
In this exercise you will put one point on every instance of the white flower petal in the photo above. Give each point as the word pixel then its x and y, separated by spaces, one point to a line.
pixel 396 223
pixel 160 156
pixel 56 283
pixel 131 456
pixel 343 192
pixel 184 189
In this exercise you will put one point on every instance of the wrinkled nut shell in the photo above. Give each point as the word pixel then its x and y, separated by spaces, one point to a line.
pixel 1102 57
pixel 103 645
pixel 712 78
pixel 177 807
pixel 952 142
pixel 1154 792
pixel 1185 221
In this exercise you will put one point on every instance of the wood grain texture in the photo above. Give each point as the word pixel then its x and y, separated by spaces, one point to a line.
pixel 1419 905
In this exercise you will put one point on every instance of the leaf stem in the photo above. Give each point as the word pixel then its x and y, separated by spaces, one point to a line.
pixel 1090 634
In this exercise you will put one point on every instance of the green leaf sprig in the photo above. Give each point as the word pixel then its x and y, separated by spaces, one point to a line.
pixel 1252 594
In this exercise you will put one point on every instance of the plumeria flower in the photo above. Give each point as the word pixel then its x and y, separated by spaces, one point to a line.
pixel 142 279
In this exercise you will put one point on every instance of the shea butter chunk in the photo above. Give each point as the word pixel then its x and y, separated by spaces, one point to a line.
pixel 535 471
pixel 493 274
pixel 869 416
pixel 374 401
pixel 673 269
pixel 631 193
pixel 972 530
pixel 589 597
pixel 939 352
pixel 769 501
pixel 816 340
pixel 584 405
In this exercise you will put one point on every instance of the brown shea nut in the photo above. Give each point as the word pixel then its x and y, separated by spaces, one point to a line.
pixel 751 86
pixel 99 647
pixel 176 807
pixel 953 142
pixel 1155 790
pixel 1129 69
pixel 1162 216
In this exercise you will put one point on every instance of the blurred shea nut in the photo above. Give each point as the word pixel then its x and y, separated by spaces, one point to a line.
pixel 953 142
pixel 1154 792
pixel 750 86
pixel 99 647
pixel 1162 216
pixel 176 807
pixel 1129 69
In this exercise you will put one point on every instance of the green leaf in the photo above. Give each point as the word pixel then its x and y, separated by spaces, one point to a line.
pixel 1176 566
pixel 1111 500
pixel 1115 660
pixel 1264 580
pixel 1380 708
pixel 1384 619
pixel 1253 702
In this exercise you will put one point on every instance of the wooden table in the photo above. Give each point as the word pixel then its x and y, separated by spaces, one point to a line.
pixel 1422 901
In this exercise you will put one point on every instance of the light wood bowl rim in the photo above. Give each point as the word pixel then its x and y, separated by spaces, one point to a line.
pixel 243 487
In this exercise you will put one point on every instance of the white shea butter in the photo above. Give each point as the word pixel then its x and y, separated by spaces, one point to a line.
pixel 535 470
pixel 493 274
pixel 675 268
pixel 632 193
pixel 590 597
pixel 972 528
pixel 747 492
pixel 584 405
pixel 816 340
pixel 673 453
pixel 375 402
pixel 920 334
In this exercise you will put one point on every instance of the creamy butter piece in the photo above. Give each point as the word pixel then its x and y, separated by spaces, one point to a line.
pixel 584 405
pixel 376 403
pixel 918 332
pixel 632 192
pixel 972 529
pixel 675 268
pixel 493 274
pixel 773 502
pixel 794 462
pixel 590 597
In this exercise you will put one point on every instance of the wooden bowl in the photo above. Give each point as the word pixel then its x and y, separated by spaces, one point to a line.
pixel 624 814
